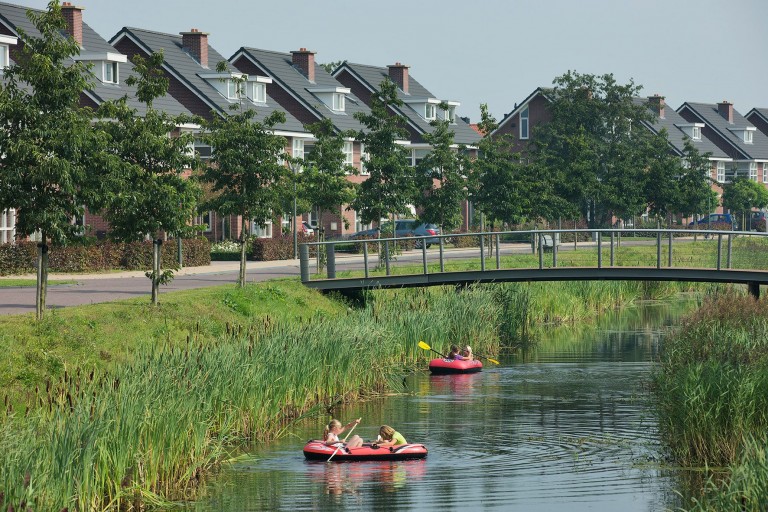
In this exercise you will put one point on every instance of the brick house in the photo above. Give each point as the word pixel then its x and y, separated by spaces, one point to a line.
pixel 110 69
pixel 307 91
pixel 734 135
pixel 420 107
pixel 190 65
pixel 759 119
pixel 521 122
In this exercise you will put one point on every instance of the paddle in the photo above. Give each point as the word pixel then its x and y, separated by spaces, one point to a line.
pixel 343 441
pixel 427 347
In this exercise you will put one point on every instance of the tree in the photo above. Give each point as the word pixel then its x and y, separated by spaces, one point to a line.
pixel 440 177
pixel 148 194
pixel 331 66
pixel 594 149
pixel 389 187
pixel 323 182
pixel 245 172
pixel 743 194
pixel 48 146
pixel 694 184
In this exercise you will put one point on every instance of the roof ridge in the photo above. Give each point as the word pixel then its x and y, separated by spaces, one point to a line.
pixel 137 29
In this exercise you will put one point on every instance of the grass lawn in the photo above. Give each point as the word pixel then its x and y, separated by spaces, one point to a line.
pixel 106 334
pixel 15 283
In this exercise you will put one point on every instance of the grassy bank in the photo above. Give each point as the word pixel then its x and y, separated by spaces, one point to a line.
pixel 712 390
pixel 121 404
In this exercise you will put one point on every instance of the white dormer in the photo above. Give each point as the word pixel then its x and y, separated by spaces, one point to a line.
pixel 692 130
pixel 426 107
pixel 332 97
pixel 745 133
pixel 256 89
pixel 5 44
pixel 106 66
pixel 450 112
pixel 231 85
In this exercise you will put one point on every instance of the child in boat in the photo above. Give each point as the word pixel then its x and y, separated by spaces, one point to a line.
pixel 454 353
pixel 466 353
pixel 334 428
pixel 390 437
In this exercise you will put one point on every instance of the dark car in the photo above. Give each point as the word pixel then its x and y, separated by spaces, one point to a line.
pixel 403 227
pixel 715 221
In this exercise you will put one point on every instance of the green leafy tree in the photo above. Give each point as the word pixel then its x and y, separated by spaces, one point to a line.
pixel 148 194
pixel 389 188
pixel 323 181
pixel 331 66
pixel 594 149
pixel 245 174
pixel 694 184
pixel 49 148
pixel 441 179
pixel 743 194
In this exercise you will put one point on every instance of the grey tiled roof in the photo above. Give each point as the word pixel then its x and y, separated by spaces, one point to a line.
pixel 762 113
pixel 708 114
pixel 184 66
pixel 372 76
pixel 15 16
pixel 279 66
pixel 672 122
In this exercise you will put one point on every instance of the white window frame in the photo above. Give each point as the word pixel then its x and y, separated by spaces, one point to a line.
pixel 696 133
pixel 765 172
pixel 259 232
pixel 232 89
pixel 364 157
pixel 747 136
pixel 338 102
pixel 4 56
pixel 524 123
pixel 720 172
pixel 430 111
pixel 8 226
pixel 753 171
pixel 297 148
pixel 349 153
pixel 115 70
pixel 259 92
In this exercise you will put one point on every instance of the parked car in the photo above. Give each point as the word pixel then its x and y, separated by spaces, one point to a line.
pixel 306 228
pixel 715 220
pixel 403 227
pixel 757 221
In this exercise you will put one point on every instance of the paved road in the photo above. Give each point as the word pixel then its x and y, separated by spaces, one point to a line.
pixel 94 288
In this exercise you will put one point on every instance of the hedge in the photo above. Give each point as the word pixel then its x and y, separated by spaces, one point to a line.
pixel 21 258
pixel 280 248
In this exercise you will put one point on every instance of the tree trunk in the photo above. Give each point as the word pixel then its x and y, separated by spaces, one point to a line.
pixel 42 279
pixel 156 253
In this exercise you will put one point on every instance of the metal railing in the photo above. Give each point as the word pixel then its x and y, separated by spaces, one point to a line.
pixel 539 241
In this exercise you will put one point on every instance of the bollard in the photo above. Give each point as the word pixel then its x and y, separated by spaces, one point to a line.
pixel 386 256
pixel 304 262
pixel 442 262
pixel 331 255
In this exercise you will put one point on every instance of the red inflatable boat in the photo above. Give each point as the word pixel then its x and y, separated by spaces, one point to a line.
pixel 317 450
pixel 446 366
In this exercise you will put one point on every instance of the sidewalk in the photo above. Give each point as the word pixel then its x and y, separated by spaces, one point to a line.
pixel 216 267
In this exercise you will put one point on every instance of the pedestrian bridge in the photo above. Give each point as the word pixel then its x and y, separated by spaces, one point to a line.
pixel 351 266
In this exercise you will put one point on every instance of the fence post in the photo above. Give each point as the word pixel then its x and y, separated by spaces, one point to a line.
pixel 719 250
pixel 599 249
pixel 365 258
pixel 331 255
pixel 613 235
pixel 730 248
pixel 498 257
pixel 442 263
pixel 386 256
pixel 541 252
pixel 658 249
pixel 555 243
pixel 669 256
pixel 482 253
pixel 424 254
pixel 304 262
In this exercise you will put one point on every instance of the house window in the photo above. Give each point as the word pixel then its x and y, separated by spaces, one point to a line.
pixel 7 226
pixel 204 219
pixel 450 115
pixel 260 231
pixel 3 56
pixel 765 172
pixel 753 171
pixel 696 133
pixel 359 226
pixel 721 172
pixel 418 155
pixel 110 72
pixel 364 157
pixel 259 93
pixel 430 111
pixel 747 137
pixel 298 148
pixel 524 123
pixel 338 102
pixel 235 89
pixel 348 154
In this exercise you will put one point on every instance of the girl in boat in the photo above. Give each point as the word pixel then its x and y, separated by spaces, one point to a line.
pixel 334 428
pixel 390 437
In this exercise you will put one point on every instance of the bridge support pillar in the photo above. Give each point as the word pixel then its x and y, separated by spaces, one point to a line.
pixel 754 289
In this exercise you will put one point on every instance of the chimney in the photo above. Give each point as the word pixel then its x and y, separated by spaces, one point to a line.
pixel 196 43
pixel 73 15
pixel 399 74
pixel 725 109
pixel 305 61
pixel 656 103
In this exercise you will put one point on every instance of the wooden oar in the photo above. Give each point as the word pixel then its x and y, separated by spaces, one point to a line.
pixel 427 347
pixel 343 441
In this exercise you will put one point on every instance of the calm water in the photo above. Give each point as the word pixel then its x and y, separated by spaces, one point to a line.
pixel 564 427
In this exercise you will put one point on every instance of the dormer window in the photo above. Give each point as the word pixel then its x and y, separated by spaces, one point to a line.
pixel 696 133
pixel 335 98
pixel 691 130
pixel 747 137
pixel 524 114
pixel 450 115
pixel 430 111
pixel 745 133
pixel 259 92
pixel 5 44
pixel 111 73
pixel 234 89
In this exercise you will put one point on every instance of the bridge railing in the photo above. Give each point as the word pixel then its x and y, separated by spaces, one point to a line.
pixel 600 245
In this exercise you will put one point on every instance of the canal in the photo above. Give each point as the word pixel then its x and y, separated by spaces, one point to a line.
pixel 565 426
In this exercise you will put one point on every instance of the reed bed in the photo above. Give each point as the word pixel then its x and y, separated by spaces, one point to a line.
pixel 147 431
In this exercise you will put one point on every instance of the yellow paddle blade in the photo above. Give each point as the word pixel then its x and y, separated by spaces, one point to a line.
pixel 492 360
pixel 424 345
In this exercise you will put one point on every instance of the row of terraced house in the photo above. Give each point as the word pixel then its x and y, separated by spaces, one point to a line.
pixel 295 83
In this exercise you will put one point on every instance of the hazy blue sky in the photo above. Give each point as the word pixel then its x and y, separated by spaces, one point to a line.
pixel 491 51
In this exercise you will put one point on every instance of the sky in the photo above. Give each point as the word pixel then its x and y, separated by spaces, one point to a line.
pixel 490 51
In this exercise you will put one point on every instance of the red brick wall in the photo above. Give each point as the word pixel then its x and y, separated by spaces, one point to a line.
pixel 196 43
pixel 74 18
pixel 538 114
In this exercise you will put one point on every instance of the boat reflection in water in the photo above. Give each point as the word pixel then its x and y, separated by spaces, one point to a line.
pixel 347 478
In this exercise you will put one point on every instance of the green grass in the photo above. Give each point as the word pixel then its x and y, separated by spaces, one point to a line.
pixel 16 283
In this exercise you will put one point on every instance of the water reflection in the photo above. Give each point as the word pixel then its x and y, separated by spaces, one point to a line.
pixel 564 427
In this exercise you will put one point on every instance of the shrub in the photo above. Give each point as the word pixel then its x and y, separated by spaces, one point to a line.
pixel 272 249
